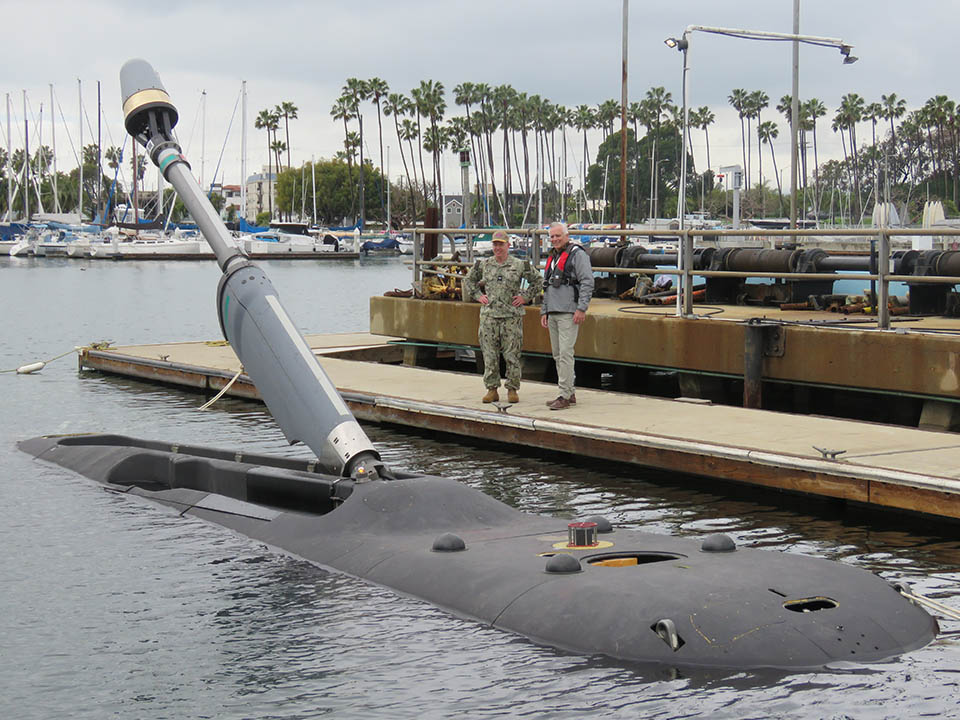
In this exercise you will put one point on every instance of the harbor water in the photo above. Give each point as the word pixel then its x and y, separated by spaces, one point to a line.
pixel 114 607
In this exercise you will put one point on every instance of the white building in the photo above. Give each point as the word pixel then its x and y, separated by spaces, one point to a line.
pixel 261 193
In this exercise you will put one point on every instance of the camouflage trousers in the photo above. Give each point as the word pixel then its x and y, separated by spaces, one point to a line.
pixel 501 336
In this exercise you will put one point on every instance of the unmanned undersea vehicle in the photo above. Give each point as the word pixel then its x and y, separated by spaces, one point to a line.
pixel 583 587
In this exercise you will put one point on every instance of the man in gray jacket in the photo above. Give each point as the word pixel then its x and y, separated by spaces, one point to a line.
pixel 568 287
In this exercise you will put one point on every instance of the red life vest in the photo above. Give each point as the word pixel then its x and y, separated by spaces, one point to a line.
pixel 561 263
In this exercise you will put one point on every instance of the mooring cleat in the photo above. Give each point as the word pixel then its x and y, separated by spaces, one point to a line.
pixel 828 454
pixel 502 406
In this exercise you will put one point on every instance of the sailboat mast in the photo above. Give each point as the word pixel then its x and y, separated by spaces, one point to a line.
pixel 26 160
pixel 9 166
pixel 99 156
pixel 243 150
pixel 80 118
pixel 203 139
pixel 38 175
pixel 53 141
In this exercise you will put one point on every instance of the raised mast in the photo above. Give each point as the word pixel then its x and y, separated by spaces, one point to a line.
pixel 80 118
pixel 53 141
pixel 243 149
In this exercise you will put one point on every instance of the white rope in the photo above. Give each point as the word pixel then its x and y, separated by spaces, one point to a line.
pixel 221 393
pixel 33 367
pixel 933 604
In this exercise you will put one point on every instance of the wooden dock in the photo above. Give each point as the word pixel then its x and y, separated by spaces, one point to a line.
pixel 881 466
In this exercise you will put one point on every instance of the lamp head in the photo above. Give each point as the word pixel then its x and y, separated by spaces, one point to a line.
pixel 848 59
pixel 680 44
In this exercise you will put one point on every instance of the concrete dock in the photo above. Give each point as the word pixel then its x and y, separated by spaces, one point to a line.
pixel 881 466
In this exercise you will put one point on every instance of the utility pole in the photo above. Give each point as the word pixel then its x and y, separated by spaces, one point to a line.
pixel 623 123
pixel 794 116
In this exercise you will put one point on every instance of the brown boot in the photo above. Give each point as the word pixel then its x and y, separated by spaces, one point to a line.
pixel 513 396
pixel 572 399
pixel 491 396
pixel 561 403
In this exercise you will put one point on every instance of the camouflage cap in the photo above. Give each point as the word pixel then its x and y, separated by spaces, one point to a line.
pixel 500 236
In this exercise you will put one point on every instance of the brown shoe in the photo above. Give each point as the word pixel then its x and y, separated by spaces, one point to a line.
pixel 512 395
pixel 561 403
pixel 573 399
pixel 491 396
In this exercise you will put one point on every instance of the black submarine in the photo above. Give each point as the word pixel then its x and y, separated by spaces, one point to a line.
pixel 583 587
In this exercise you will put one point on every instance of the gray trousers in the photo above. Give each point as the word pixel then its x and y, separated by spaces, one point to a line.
pixel 563 336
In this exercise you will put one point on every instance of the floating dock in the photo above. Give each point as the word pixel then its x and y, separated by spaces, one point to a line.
pixel 881 466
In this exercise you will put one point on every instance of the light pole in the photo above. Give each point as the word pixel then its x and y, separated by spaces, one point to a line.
pixel 683 44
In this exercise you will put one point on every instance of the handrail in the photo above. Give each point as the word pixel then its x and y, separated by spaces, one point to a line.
pixel 683 258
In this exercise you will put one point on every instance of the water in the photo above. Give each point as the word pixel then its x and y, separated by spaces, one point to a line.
pixel 113 607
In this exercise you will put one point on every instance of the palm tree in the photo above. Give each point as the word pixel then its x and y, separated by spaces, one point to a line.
pixel 278 147
pixel 430 103
pixel 758 101
pixel 410 132
pixel 893 108
pixel 583 120
pixel 342 110
pixel 502 99
pixel 705 118
pixel 607 112
pixel 658 103
pixel 289 112
pixel 377 89
pixel 353 92
pixel 489 123
pixel 399 105
pixel 267 121
pixel 419 105
pixel 739 99
pixel 851 110
pixel 767 132
pixel 939 109
pixel 467 94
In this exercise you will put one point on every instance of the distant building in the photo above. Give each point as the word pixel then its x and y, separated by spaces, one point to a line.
pixel 452 211
pixel 231 198
pixel 261 193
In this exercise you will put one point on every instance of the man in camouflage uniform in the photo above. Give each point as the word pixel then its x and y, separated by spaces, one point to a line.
pixel 495 283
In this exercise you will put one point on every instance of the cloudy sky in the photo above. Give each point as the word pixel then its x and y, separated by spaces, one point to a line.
pixel 569 52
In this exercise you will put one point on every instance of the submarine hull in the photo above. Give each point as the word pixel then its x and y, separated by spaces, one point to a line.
pixel 632 596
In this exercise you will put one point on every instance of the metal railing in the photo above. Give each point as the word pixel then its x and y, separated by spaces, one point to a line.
pixel 880 253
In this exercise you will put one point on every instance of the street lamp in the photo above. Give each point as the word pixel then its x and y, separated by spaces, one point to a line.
pixel 682 44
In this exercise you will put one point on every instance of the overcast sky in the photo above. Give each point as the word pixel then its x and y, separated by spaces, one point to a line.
pixel 569 52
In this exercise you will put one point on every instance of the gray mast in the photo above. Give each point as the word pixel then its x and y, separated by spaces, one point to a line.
pixel 293 385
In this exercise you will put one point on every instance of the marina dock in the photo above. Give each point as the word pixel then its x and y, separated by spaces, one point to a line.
pixel 872 464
